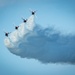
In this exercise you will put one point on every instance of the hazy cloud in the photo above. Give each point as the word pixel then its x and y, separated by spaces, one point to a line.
pixel 43 44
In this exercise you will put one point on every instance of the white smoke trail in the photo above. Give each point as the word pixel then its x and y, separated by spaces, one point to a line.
pixel 46 45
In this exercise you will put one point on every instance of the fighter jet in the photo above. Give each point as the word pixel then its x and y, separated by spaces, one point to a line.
pixel 16 27
pixel 24 20
pixel 6 34
pixel 33 12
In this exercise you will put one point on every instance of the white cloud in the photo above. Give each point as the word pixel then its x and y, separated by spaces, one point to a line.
pixel 45 45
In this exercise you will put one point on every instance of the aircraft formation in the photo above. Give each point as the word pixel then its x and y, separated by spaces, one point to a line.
pixel 16 27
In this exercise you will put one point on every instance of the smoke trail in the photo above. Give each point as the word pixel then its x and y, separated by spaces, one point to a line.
pixel 43 44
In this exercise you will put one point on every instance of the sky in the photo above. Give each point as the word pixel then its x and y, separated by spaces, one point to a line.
pixel 59 14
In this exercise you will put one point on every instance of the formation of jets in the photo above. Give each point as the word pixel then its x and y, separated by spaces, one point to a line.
pixel 16 27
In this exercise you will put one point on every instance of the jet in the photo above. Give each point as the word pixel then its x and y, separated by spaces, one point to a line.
pixel 24 20
pixel 6 34
pixel 33 12
pixel 16 27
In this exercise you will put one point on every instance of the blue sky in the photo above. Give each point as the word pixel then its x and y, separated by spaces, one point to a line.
pixel 60 14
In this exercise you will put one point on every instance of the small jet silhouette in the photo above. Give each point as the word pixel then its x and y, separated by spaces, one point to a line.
pixel 6 34
pixel 16 27
pixel 24 20
pixel 33 12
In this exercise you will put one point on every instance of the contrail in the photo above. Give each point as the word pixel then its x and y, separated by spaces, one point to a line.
pixel 46 45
